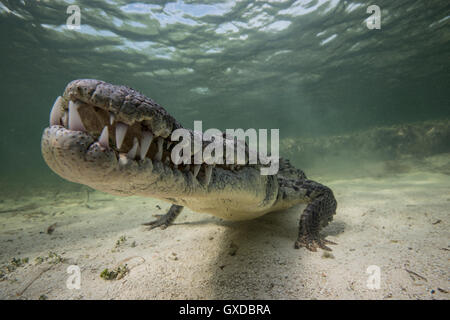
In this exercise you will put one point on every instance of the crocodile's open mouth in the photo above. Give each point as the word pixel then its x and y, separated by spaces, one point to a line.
pixel 96 127
pixel 135 141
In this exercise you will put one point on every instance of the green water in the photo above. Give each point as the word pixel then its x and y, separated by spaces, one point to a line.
pixel 364 111
pixel 309 68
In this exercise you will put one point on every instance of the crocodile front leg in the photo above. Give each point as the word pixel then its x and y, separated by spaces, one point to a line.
pixel 167 219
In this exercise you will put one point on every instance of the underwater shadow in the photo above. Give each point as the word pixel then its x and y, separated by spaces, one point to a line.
pixel 257 259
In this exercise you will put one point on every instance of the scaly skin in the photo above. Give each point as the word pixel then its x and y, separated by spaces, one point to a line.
pixel 229 192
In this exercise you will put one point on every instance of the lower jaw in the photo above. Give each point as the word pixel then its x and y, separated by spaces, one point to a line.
pixel 84 161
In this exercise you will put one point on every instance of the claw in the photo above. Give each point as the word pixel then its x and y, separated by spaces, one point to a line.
pixel 165 220
pixel 312 244
pixel 153 226
pixel 156 223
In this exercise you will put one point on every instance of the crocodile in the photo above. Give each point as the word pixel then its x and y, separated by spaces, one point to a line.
pixel 114 139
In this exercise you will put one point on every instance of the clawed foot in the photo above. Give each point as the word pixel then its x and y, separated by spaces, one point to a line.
pixel 312 243
pixel 161 222
pixel 165 220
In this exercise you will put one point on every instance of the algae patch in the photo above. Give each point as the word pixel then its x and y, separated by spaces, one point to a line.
pixel 115 274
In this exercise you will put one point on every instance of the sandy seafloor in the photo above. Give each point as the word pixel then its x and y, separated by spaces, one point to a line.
pixel 396 221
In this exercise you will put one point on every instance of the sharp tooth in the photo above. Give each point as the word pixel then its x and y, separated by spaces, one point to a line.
pixel 75 122
pixel 57 112
pixel 196 169
pixel 169 144
pixel 208 173
pixel 146 141
pixel 138 150
pixel 159 154
pixel 111 118
pixel 121 131
pixel 65 119
pixel 132 153
pixel 104 138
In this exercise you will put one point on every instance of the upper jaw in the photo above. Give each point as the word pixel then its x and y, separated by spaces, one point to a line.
pixel 120 118
pixel 126 104
pixel 126 130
